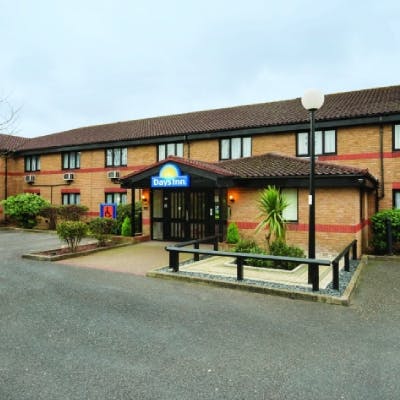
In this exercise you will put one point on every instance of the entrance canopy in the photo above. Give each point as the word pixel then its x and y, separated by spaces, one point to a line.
pixel 173 172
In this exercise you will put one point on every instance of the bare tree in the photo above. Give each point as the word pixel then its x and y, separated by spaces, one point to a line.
pixel 8 117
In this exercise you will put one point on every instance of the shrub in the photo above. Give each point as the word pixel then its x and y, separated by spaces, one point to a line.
pixel 72 232
pixel 271 205
pixel 280 248
pixel 232 234
pixel 51 213
pixel 378 221
pixel 72 212
pixel 123 211
pixel 250 246
pixel 126 229
pixel 101 229
pixel 24 208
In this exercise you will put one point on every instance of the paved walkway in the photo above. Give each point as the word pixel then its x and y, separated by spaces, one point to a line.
pixel 135 259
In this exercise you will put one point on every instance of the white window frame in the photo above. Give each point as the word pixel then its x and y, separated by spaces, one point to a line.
pixel 235 147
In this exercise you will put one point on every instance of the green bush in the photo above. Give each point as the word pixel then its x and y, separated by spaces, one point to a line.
pixel 126 229
pixel 123 211
pixel 72 212
pixel 101 229
pixel 280 248
pixel 277 248
pixel 72 232
pixel 379 229
pixel 232 234
pixel 24 208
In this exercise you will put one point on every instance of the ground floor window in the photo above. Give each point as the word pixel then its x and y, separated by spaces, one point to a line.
pixel 118 198
pixel 71 198
pixel 291 212
pixel 396 198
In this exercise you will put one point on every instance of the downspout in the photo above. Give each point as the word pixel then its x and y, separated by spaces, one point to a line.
pixel 188 146
pixel 5 175
pixel 381 160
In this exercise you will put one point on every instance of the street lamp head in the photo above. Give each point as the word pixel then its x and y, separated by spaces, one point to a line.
pixel 312 99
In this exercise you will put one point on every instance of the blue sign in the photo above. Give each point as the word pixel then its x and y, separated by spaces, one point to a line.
pixel 170 177
pixel 108 210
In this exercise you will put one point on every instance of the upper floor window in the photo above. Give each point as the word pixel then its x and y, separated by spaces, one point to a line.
pixel 71 198
pixel 117 157
pixel 32 163
pixel 325 143
pixel 170 149
pixel 396 137
pixel 71 160
pixel 236 147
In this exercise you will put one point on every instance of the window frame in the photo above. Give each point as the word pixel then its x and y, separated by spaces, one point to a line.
pixel 296 190
pixel 394 148
pixel 68 154
pixel 323 143
pixel 123 157
pixel 69 196
pixel 175 152
pixel 230 140
pixel 394 193
pixel 31 158
pixel 125 194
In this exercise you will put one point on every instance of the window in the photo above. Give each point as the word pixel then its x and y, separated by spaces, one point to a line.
pixel 170 149
pixel 116 197
pixel 117 157
pixel 291 212
pixel 325 143
pixel 32 163
pixel 71 198
pixel 71 160
pixel 396 198
pixel 396 137
pixel 235 148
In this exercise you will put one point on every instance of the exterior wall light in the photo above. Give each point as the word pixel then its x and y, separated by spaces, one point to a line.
pixel 231 198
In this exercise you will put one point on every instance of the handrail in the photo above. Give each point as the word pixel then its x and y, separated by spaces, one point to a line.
pixel 335 263
pixel 240 257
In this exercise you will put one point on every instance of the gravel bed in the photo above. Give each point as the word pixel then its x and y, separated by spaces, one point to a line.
pixel 344 279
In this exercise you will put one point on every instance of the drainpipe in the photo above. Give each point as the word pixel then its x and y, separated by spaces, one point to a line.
pixel 5 175
pixel 381 160
pixel 188 146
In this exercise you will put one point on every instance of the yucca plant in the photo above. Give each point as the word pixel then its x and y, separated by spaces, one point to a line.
pixel 271 205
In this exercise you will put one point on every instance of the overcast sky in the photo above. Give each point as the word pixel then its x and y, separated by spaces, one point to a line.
pixel 68 64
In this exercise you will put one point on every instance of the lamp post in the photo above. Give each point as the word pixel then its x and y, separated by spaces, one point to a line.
pixel 312 100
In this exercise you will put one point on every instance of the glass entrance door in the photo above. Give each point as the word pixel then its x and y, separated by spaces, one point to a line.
pixel 182 214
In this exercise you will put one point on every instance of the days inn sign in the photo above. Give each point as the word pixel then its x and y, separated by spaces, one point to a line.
pixel 170 177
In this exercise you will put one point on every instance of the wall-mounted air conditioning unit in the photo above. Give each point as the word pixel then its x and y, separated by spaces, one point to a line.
pixel 113 174
pixel 69 176
pixel 29 178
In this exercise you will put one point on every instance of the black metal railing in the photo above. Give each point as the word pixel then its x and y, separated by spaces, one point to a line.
pixel 346 255
pixel 174 251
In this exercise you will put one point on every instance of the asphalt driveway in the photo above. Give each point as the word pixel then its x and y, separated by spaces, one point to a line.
pixel 76 333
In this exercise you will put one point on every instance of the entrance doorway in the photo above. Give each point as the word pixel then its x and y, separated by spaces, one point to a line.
pixel 181 215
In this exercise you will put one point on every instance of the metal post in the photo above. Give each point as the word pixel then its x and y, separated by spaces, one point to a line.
pixel 311 197
pixel 315 283
pixel 174 260
pixel 239 264
pixel 354 251
pixel 335 272
pixel 347 261
pixel 196 255
pixel 216 242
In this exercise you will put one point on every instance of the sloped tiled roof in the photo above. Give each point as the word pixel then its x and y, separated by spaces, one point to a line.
pixel 277 165
pixel 361 103
pixel 270 165
pixel 11 143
